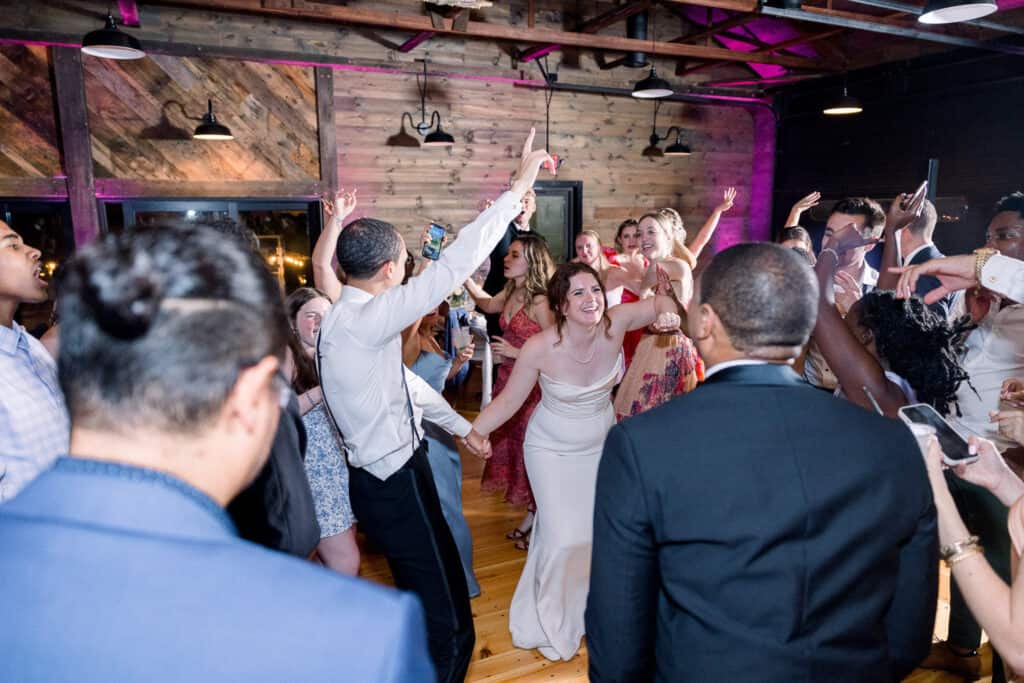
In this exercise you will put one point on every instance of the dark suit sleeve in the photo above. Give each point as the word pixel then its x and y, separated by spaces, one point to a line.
pixel 621 607
pixel 496 277
pixel 911 616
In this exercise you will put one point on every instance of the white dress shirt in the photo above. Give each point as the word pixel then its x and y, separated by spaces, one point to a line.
pixel 361 351
pixel 994 352
pixel 1004 276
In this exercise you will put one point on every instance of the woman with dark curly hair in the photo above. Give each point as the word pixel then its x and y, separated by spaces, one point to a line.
pixel 888 352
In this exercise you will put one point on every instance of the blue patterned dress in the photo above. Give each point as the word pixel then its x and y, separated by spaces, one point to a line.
pixel 327 473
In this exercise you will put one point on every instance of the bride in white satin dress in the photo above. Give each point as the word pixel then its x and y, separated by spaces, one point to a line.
pixel 577 362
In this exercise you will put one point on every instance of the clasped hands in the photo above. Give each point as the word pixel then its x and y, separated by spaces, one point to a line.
pixel 477 444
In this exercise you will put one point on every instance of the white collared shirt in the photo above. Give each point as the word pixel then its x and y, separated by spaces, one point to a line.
pixel 1004 276
pixel 994 352
pixel 904 260
pixel 361 351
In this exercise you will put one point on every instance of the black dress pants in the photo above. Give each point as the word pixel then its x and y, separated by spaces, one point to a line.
pixel 402 516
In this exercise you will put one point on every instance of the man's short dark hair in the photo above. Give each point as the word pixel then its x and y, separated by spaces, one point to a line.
pixel 367 244
pixel 874 217
pixel 924 225
pixel 1011 202
pixel 764 294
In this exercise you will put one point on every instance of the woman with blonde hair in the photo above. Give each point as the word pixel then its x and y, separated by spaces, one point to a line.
pixel 524 310
pixel 667 364
pixel 590 251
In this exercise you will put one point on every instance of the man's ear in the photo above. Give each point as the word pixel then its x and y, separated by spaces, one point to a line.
pixel 387 271
pixel 254 387
pixel 707 320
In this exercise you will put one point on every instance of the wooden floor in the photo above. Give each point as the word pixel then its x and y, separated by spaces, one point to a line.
pixel 498 565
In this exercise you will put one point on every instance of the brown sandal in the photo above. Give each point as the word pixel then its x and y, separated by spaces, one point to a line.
pixel 516 534
pixel 523 544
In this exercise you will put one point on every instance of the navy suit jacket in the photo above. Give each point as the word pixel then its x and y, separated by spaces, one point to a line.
pixel 927 283
pixel 760 529
pixel 115 573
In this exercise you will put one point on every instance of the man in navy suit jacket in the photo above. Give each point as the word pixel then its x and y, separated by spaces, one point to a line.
pixel 120 563
pixel 756 528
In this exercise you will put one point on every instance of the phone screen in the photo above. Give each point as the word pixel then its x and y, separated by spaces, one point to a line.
pixel 432 249
pixel 953 445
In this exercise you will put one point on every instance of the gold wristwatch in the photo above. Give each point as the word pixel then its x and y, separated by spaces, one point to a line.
pixel 981 257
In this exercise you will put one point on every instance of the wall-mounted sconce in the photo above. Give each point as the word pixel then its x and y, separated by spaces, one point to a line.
pixel 676 149
pixel 436 138
pixel 110 42
pixel 210 128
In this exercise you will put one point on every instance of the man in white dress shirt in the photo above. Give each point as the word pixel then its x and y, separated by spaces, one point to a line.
pixel 378 405
pixel 994 279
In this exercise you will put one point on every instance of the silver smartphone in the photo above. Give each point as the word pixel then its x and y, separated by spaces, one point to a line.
pixel 955 450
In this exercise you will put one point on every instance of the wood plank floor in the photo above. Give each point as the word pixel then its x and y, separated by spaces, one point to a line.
pixel 498 565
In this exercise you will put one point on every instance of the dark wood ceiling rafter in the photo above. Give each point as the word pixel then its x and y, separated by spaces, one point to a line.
pixel 322 12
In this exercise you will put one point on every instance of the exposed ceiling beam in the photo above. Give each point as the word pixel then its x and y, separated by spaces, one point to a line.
pixel 483 30
pixel 916 10
pixel 416 41
pixel 609 18
pixel 715 29
pixel 734 5
pixel 891 27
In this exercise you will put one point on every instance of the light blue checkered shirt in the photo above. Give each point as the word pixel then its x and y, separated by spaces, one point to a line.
pixel 34 424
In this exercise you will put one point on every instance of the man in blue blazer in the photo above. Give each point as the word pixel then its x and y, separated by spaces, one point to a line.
pixel 756 528
pixel 119 563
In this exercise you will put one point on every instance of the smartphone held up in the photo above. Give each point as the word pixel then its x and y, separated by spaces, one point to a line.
pixel 924 421
pixel 432 248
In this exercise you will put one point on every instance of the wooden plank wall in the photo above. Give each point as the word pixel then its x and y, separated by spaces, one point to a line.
pixel 600 137
pixel 142 114
pixel 28 126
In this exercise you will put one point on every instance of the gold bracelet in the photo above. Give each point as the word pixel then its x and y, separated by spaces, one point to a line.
pixel 961 556
pixel 981 257
pixel 957 547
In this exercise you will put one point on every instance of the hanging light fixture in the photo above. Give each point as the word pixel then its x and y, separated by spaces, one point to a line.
pixel 210 128
pixel 652 86
pixel 110 42
pixel 436 138
pixel 677 148
pixel 953 11
pixel 844 106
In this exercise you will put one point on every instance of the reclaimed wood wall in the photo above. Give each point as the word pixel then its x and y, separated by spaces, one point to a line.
pixel 28 126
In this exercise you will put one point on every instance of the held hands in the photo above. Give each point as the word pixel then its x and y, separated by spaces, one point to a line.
pixel 502 348
pixel 529 165
pixel 478 444
pixel 343 204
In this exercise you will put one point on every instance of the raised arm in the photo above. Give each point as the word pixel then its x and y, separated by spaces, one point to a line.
pixel 801 205
pixel 898 217
pixel 335 211
pixel 484 301
pixel 392 311
pixel 1000 274
pixel 524 376
pixel 703 235
pixel 854 366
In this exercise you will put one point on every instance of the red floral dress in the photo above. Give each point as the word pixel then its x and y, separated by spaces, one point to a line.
pixel 505 470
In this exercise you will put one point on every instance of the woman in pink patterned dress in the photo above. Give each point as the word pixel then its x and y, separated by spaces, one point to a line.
pixel 524 312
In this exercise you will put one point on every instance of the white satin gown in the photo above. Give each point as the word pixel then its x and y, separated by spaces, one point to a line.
pixel 562 450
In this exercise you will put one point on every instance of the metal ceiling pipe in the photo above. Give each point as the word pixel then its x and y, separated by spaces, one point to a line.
pixel 636 28
pixel 916 11
pixel 865 25
pixel 722 97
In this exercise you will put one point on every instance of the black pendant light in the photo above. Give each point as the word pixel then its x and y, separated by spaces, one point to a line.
pixel 676 149
pixel 110 42
pixel 210 128
pixel 438 138
pixel 652 86
pixel 844 106
pixel 953 11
